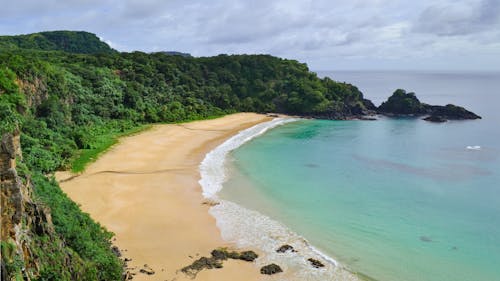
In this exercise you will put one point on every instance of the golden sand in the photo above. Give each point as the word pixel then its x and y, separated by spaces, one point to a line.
pixel 146 191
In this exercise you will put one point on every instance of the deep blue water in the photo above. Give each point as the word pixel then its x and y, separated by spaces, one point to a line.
pixel 395 199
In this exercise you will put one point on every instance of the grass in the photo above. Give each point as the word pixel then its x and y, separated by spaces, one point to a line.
pixel 101 145
pixel 104 142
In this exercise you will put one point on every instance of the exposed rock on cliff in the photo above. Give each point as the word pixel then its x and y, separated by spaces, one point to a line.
pixel 27 227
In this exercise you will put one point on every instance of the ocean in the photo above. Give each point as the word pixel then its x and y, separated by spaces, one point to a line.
pixel 392 199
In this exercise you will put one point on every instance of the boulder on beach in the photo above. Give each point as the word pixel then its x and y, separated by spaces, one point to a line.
pixel 315 263
pixel 271 269
pixel 285 248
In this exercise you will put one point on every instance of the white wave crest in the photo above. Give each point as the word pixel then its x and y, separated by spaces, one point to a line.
pixel 473 147
pixel 212 167
pixel 251 229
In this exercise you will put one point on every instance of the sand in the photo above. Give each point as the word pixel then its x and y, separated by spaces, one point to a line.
pixel 145 190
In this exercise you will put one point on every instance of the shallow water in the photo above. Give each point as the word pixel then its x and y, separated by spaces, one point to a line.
pixel 395 199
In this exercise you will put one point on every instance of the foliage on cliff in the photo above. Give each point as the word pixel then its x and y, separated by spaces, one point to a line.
pixel 45 236
pixel 68 93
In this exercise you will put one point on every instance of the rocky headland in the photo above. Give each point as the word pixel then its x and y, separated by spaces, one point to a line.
pixel 403 104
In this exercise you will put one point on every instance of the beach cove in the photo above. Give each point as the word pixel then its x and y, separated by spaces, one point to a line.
pixel 145 190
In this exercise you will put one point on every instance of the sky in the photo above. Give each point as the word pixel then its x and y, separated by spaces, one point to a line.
pixel 327 35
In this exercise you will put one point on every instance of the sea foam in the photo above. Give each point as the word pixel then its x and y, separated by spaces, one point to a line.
pixel 212 168
pixel 251 229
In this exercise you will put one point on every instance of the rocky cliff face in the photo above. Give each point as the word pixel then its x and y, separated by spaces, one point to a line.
pixel 22 218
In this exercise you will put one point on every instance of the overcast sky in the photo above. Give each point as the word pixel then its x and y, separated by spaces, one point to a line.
pixel 326 34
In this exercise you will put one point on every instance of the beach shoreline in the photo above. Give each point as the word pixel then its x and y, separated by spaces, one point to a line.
pixel 157 191
pixel 145 190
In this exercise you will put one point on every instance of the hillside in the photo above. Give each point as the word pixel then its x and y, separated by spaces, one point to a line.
pixel 69 96
pixel 68 41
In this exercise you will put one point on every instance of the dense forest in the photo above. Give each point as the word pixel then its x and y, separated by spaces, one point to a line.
pixel 70 95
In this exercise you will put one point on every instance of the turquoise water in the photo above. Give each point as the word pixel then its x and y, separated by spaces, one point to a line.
pixel 394 199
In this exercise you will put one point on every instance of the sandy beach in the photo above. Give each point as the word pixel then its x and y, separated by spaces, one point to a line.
pixel 146 191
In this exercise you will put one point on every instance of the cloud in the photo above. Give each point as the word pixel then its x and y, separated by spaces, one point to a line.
pixel 344 33
pixel 459 18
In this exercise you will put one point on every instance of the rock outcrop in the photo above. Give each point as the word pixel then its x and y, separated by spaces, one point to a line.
pixel 449 112
pixel 271 269
pixel 402 103
pixel 216 259
pixel 23 219
pixel 20 215
pixel 285 248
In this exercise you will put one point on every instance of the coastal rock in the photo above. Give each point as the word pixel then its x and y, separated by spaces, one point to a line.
pixel 219 254
pixel 200 264
pixel 223 254
pixel 248 256
pixel 147 270
pixel 369 105
pixel 401 103
pixel 435 119
pixel 215 261
pixel 271 269
pixel 285 248
pixel 450 112
pixel 315 263
pixel 116 251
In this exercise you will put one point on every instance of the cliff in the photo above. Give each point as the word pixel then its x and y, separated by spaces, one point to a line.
pixel 31 248
pixel 22 218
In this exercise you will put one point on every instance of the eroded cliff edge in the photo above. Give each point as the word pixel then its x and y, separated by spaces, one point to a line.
pixel 31 249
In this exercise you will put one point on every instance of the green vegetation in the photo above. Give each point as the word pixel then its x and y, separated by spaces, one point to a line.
pixel 68 41
pixel 71 96
pixel 82 235
pixel 101 144
pixel 402 103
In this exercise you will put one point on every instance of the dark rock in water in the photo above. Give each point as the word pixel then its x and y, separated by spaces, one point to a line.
pixel 271 269
pixel 402 103
pixel 454 248
pixel 315 263
pixel 285 248
pixel 367 118
pixel 407 104
pixel 425 239
pixel 452 112
pixel 435 119
pixel 248 256
pixel 310 165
